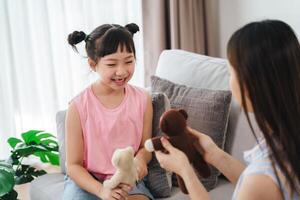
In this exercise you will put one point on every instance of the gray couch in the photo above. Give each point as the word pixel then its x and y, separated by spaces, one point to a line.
pixel 184 68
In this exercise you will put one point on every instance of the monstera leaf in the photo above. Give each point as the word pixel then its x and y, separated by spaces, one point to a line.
pixel 7 181
pixel 13 172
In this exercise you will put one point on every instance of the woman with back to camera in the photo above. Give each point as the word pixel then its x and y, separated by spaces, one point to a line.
pixel 264 64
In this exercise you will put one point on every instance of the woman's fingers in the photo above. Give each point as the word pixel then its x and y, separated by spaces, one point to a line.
pixel 167 145
pixel 194 132
pixel 160 156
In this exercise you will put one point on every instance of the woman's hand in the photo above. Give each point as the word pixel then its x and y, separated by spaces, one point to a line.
pixel 141 167
pixel 208 148
pixel 120 192
pixel 175 161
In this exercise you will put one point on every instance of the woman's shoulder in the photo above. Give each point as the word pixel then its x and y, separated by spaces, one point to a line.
pixel 254 187
pixel 260 169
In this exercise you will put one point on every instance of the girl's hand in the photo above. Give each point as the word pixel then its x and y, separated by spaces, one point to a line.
pixel 120 192
pixel 141 167
pixel 207 146
pixel 175 161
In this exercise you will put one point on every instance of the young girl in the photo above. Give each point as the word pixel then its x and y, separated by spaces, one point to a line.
pixel 109 114
pixel 264 62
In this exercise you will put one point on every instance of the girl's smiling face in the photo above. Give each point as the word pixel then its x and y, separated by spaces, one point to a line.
pixel 115 70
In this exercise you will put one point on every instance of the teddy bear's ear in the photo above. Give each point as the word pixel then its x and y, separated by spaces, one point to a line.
pixel 184 113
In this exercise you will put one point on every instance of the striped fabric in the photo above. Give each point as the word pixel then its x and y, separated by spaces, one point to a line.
pixel 259 164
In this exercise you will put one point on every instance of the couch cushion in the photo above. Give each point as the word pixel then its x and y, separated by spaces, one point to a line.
pixel 60 126
pixel 223 191
pixel 47 187
pixel 195 70
pixel 158 181
pixel 208 112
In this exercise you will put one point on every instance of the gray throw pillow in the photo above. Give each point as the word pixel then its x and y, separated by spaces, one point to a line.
pixel 158 181
pixel 208 112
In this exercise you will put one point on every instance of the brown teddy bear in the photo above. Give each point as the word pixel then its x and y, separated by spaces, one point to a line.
pixel 173 124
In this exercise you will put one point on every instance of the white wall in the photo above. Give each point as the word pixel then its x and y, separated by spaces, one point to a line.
pixel 232 14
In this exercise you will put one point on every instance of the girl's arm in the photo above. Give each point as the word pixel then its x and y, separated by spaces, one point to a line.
pixel 143 156
pixel 74 157
pixel 74 154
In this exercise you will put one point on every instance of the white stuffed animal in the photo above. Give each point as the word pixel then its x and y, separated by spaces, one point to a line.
pixel 126 170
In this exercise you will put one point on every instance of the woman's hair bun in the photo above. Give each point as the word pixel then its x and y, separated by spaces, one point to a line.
pixel 76 37
pixel 132 28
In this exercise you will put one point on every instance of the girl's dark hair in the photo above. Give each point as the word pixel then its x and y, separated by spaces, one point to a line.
pixel 105 40
pixel 266 58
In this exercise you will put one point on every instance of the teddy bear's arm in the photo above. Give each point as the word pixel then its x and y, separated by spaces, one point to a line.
pixel 154 144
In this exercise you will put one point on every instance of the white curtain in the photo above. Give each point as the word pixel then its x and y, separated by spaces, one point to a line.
pixel 40 73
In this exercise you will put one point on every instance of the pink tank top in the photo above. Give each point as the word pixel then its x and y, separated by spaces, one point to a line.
pixel 105 130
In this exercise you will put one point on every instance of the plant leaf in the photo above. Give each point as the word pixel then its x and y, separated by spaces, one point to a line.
pixel 45 135
pixel 21 170
pixel 29 150
pixel 37 173
pixel 31 136
pixel 12 141
pixel 49 142
pixel 6 164
pixel 42 156
pixel 7 181
pixel 24 178
pixel 28 174
pixel 53 158
pixel 13 159
pixel 12 195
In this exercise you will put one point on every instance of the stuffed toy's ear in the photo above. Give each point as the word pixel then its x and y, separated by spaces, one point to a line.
pixel 184 113
pixel 116 158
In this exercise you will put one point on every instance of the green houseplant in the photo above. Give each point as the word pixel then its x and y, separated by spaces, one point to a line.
pixel 13 172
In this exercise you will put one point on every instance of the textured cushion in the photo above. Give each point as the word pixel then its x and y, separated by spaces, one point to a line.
pixel 158 180
pixel 200 71
pixel 208 112
pixel 60 125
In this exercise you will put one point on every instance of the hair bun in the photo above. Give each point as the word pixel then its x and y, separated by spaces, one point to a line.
pixel 132 28
pixel 76 37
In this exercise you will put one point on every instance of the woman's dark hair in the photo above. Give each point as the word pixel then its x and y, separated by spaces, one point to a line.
pixel 105 40
pixel 266 58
